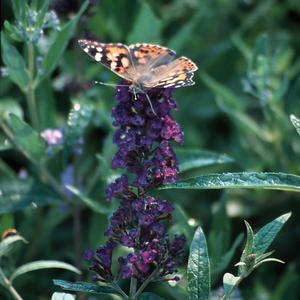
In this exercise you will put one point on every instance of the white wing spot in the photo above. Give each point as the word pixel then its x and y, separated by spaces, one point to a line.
pixel 98 56
pixel 86 49
pixel 99 49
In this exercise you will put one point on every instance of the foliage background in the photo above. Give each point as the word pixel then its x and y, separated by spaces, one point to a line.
pixel 247 86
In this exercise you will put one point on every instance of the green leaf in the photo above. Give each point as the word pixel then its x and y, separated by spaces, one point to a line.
pixel 296 122
pixel 150 296
pixel 8 106
pixel 42 264
pixel 60 43
pixel 63 296
pixel 248 249
pixel 146 28
pixel 84 287
pixel 20 194
pixel 265 236
pixel 198 273
pixel 229 283
pixel 14 33
pixel 19 9
pixel 93 205
pixel 26 138
pixel 249 180
pixel 15 64
pixel 7 244
pixel 193 158
pixel 42 12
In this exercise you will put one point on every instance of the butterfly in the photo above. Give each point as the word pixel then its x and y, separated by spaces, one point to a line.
pixel 145 66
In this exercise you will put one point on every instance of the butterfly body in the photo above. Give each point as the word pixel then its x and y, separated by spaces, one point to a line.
pixel 145 66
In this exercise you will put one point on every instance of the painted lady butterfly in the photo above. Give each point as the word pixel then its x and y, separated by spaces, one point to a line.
pixel 146 66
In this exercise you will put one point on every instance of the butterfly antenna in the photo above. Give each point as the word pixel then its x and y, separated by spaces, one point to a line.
pixel 110 84
pixel 149 100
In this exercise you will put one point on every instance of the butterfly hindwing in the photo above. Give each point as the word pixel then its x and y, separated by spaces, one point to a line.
pixel 150 56
pixel 178 73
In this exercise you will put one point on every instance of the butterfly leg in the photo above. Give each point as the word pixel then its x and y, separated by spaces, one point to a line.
pixel 149 100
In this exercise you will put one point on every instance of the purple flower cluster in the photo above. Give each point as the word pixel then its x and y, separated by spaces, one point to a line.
pixel 144 135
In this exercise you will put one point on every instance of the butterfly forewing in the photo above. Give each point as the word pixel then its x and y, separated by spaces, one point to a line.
pixel 116 57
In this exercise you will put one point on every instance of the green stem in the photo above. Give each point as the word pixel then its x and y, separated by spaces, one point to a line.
pixel 30 94
pixel 9 286
pixel 118 289
pixel 144 284
pixel 133 285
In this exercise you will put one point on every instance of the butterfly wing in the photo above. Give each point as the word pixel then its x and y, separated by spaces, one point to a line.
pixel 116 57
pixel 148 56
pixel 178 73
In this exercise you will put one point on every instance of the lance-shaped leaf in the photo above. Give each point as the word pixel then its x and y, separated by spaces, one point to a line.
pixel 26 138
pixel 265 236
pixel 229 283
pixel 84 287
pixel 249 180
pixel 42 264
pixel 93 205
pixel 14 63
pixel 60 43
pixel 7 244
pixel 198 273
pixel 296 122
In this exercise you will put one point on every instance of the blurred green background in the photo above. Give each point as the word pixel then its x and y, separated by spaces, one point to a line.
pixel 247 86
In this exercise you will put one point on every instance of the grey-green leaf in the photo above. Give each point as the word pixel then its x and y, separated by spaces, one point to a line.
pixel 63 296
pixel 229 283
pixel 194 158
pixel 7 244
pixel 15 64
pixel 249 180
pixel 248 249
pixel 296 122
pixel 26 138
pixel 84 287
pixel 198 272
pixel 42 264
pixel 265 236
pixel 93 205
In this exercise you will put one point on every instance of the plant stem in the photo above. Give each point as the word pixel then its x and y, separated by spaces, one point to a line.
pixel 9 286
pixel 133 285
pixel 30 94
pixel 118 289
pixel 144 284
